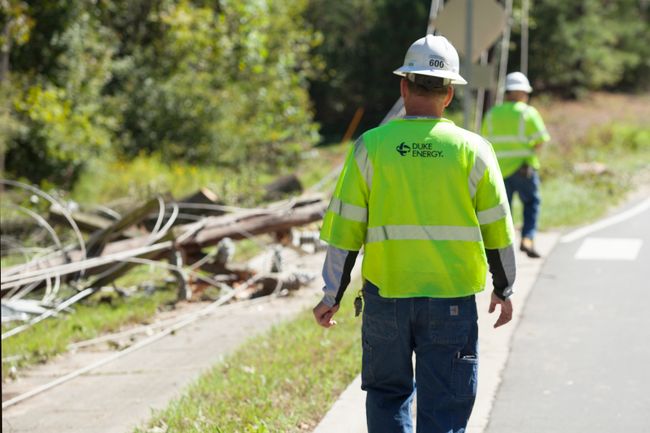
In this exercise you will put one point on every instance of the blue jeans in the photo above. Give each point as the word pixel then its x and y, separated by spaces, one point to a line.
pixel 528 190
pixel 443 333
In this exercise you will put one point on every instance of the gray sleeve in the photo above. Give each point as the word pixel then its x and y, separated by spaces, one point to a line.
pixel 503 269
pixel 336 274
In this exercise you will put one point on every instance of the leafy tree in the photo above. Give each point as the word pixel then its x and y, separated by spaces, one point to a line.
pixel 16 26
pixel 59 99
pixel 587 45
pixel 363 42
pixel 207 82
pixel 225 84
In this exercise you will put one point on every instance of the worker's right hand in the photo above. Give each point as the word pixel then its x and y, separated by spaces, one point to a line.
pixel 506 310
pixel 324 313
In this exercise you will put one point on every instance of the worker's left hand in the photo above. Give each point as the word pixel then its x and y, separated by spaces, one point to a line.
pixel 506 310
pixel 324 313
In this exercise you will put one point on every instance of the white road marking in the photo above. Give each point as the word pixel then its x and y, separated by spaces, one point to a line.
pixel 609 249
pixel 577 234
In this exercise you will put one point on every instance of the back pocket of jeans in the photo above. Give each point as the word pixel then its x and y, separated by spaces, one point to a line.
pixel 465 377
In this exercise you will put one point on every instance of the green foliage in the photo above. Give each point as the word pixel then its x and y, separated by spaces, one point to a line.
pixel 225 85
pixel 141 177
pixel 363 41
pixel 16 27
pixel 207 83
pixel 65 121
pixel 571 197
pixel 587 45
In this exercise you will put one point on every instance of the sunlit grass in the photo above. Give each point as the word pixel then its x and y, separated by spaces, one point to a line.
pixel 319 162
pixel 570 198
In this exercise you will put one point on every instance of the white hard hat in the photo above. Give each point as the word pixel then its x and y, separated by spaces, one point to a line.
pixel 517 81
pixel 433 56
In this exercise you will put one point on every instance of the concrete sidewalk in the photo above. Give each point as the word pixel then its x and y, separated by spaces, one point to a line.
pixel 347 415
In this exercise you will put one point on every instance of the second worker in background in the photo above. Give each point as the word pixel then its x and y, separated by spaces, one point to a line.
pixel 517 131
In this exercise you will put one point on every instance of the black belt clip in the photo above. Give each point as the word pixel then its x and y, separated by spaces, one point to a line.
pixel 358 304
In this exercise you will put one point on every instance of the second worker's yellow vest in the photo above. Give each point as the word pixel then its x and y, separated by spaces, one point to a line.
pixel 514 128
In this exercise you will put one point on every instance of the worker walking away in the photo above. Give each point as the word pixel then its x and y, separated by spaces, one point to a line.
pixel 517 132
pixel 426 200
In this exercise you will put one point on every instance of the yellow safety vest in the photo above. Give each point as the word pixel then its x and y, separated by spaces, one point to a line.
pixel 426 198
pixel 514 128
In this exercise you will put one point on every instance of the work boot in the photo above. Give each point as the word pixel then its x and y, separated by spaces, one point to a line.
pixel 528 247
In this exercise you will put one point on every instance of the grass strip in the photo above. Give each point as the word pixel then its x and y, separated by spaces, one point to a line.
pixel 570 197
pixel 282 381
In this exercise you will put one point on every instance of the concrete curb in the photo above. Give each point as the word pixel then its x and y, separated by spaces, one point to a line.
pixel 348 415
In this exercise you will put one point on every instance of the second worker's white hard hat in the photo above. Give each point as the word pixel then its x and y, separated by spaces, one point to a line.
pixel 433 56
pixel 517 81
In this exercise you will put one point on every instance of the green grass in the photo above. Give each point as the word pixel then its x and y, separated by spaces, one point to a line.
pixel 283 381
pixel 100 313
pixel 142 177
pixel 320 162
pixel 570 198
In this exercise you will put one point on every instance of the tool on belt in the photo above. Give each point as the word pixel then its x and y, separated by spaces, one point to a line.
pixel 526 171
pixel 358 303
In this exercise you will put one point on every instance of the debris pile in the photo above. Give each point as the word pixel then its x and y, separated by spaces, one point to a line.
pixel 193 239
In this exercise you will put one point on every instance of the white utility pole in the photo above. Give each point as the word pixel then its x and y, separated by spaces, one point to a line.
pixel 480 98
pixel 524 37
pixel 467 91
pixel 503 61
pixel 433 13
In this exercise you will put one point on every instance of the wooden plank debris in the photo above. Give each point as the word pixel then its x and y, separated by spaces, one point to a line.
pixel 90 222
pixel 189 239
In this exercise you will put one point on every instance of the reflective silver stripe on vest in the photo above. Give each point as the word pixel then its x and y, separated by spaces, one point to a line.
pixel 506 139
pixel 348 211
pixel 433 233
pixel 483 158
pixel 365 166
pixel 522 123
pixel 514 153
pixel 476 175
pixel 493 214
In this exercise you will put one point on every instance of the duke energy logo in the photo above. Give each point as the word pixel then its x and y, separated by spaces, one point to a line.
pixel 418 150
pixel 403 149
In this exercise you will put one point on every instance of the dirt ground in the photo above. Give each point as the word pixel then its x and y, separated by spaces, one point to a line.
pixel 568 121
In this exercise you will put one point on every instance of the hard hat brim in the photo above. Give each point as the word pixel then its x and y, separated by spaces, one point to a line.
pixel 454 77
pixel 519 88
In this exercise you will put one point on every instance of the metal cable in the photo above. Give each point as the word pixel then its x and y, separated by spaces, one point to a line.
pixel 65 304
pixel 53 201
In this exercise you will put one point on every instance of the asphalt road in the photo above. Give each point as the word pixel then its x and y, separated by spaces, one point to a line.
pixel 580 358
